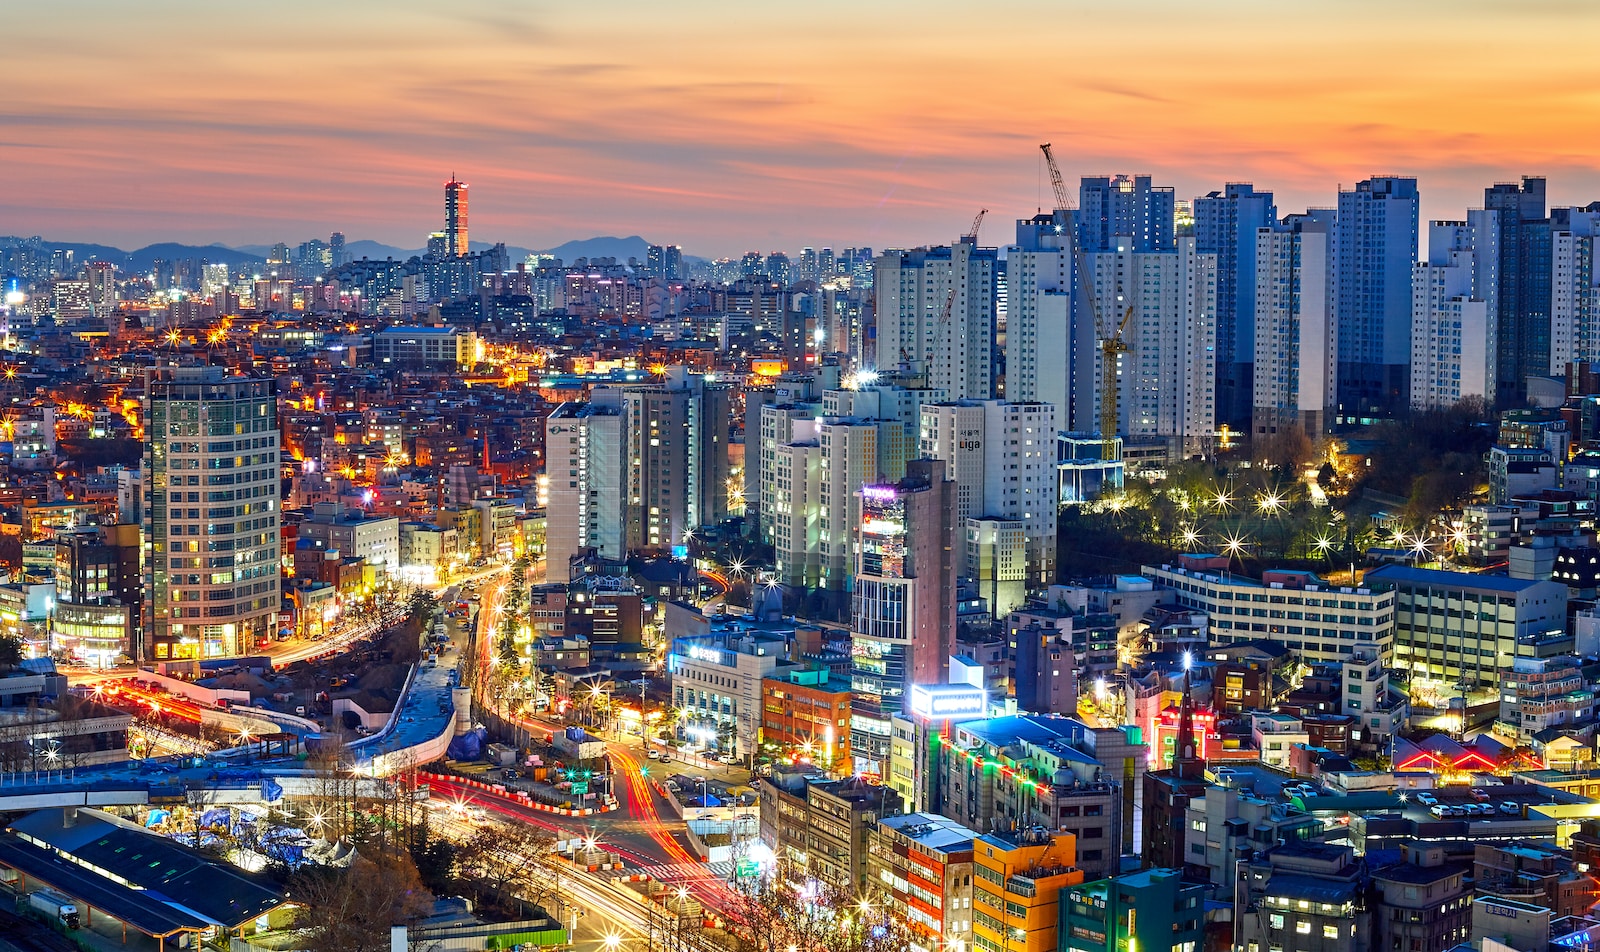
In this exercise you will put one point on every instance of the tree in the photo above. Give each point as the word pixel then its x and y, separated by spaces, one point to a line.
pixel 510 860
pixel 776 911
pixel 352 910
pixel 10 652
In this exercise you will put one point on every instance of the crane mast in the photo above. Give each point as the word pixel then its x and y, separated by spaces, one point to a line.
pixel 1112 347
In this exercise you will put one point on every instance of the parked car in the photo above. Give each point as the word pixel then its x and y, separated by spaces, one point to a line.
pixel 1427 799
pixel 1510 808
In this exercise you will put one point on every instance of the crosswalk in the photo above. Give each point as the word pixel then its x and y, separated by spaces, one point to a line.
pixel 682 872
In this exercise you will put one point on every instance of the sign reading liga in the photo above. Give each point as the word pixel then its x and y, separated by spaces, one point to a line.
pixel 944 701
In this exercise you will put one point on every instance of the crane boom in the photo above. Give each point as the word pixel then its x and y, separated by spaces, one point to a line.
pixel 977 222
pixel 1111 347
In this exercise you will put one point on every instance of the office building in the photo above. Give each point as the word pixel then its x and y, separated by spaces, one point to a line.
pixel 935 312
pixel 1318 621
pixel 1453 331
pixel 437 348
pixel 585 446
pixel 1294 335
pixel 1166 380
pixel 1226 224
pixel 1522 304
pixel 211 567
pixel 717 678
pixel 354 533
pixel 98 593
pixel 1463 630
pixel 807 711
pixel 1002 457
pixel 1375 246
pixel 455 218
pixel 903 606
pixel 1424 902
pixel 854 453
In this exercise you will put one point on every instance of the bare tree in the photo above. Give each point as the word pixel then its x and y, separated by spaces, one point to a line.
pixel 353 910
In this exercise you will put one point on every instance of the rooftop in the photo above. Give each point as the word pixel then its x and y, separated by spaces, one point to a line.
pixel 1493 583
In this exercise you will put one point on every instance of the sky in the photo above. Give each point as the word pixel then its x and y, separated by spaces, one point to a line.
pixel 728 127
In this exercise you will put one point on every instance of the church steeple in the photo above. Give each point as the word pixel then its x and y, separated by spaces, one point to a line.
pixel 1186 761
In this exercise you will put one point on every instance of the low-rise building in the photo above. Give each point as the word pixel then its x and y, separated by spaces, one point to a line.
pixel 1152 909
pixel 1318 621
pixel 1018 881
pixel 923 861
pixel 806 712
pixel 1305 897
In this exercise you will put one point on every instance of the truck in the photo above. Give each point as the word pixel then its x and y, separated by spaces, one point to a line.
pixel 58 908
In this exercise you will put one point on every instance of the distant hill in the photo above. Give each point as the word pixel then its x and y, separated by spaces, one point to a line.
pixel 619 248
pixel 139 260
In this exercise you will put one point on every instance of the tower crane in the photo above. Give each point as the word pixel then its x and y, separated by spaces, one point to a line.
pixel 1112 347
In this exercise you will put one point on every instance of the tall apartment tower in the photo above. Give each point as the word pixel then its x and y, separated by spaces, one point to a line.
pixel 1294 367
pixel 676 453
pixel 1226 224
pixel 1574 287
pixel 211 513
pixel 912 288
pixel 903 607
pixel 1046 336
pixel 1166 381
pixel 585 465
pixel 1522 305
pixel 1375 245
pixel 1454 328
pixel 455 218
pixel 1126 207
pixel 664 262
pixel 1002 457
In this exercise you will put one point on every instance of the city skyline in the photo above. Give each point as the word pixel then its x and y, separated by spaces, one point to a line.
pixel 845 127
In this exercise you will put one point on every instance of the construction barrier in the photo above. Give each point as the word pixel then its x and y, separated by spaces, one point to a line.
pixel 517 796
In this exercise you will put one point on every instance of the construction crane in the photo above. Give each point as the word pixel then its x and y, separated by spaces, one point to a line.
pixel 1111 348
pixel 977 222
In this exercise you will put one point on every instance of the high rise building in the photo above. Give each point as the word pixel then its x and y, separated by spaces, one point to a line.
pixel 211 513
pixel 855 453
pixel 1127 207
pixel 1375 245
pixel 665 262
pixel 953 345
pixel 102 278
pixel 1574 287
pixel 1226 224
pixel 455 218
pixel 1048 343
pixel 676 456
pixel 1002 457
pixel 1453 306
pixel 1522 304
pixel 903 607
pixel 1294 363
pixel 1166 381
pixel 585 446
pixel 337 256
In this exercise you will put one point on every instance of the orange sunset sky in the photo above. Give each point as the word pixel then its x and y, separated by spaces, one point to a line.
pixel 727 127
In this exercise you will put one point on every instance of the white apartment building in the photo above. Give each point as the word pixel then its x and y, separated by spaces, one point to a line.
pixel 1167 379
pixel 854 453
pixel 1002 457
pixel 796 513
pixel 780 425
pixel 911 290
pixel 585 448
pixel 1453 306
pixel 1296 356
pixel 1044 342
pixel 1574 290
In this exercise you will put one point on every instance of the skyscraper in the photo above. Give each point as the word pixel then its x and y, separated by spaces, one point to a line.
pixel 211 513
pixel 455 217
pixel 1522 306
pixel 1294 356
pixel 1225 224
pixel 1375 245
pixel 1453 325
pixel 912 289
pixel 664 262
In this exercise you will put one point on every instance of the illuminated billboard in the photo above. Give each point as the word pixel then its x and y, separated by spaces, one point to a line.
pixel 940 702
